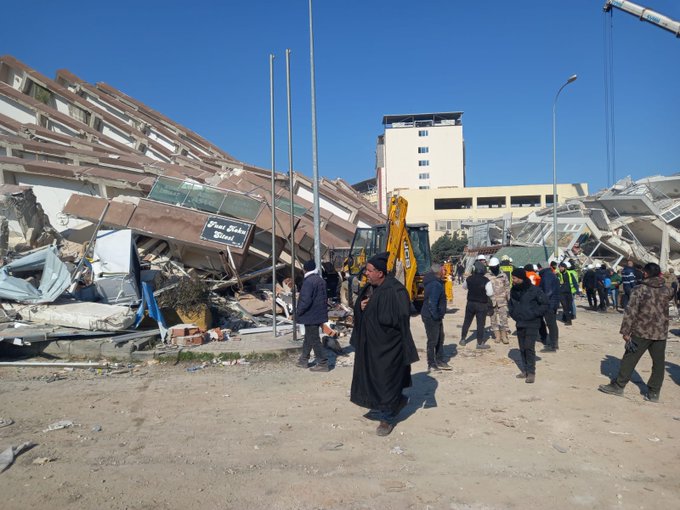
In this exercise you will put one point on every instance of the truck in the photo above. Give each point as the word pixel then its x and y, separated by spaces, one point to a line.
pixel 407 243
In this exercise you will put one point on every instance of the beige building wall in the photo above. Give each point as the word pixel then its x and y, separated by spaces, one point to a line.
pixel 443 209
pixel 439 163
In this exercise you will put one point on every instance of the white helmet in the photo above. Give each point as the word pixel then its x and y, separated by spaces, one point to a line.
pixel 481 257
pixel 535 267
pixel 494 262
pixel 590 266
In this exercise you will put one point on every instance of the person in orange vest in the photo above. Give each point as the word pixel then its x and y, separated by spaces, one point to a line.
pixel 532 274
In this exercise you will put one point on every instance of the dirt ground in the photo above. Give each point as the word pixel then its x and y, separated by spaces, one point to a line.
pixel 273 436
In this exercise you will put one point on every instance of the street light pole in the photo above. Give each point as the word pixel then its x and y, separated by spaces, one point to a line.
pixel 571 79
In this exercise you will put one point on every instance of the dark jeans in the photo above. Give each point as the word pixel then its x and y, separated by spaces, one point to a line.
pixel 435 339
pixel 657 350
pixel 478 310
pixel 567 302
pixel 312 341
pixel 626 296
pixel 527 347
pixel 592 298
pixel 602 294
pixel 549 326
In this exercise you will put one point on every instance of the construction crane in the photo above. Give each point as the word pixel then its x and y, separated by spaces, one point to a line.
pixel 644 14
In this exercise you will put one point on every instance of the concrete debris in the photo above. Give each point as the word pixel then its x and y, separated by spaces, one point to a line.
pixel 638 220
pixel 58 425
pixel 6 422
pixel 8 455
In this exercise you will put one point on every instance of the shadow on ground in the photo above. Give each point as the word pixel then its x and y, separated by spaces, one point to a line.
pixel 673 371
pixel 421 395
pixel 609 366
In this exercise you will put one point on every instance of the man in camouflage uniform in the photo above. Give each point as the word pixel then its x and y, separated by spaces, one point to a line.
pixel 644 328
pixel 501 294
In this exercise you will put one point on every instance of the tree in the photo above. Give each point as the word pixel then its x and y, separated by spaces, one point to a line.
pixel 448 246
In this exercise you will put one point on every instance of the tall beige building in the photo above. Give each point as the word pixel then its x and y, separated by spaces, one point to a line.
pixel 420 151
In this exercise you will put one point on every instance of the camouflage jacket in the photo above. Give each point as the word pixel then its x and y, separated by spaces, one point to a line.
pixel 647 313
pixel 501 289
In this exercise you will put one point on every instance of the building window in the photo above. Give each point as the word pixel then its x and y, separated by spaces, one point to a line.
pixel 423 162
pixel 424 176
pixel 453 203
pixel 491 202
pixel 423 187
pixel 423 150
pixel 447 225
pixel 526 201
pixel 422 132
pixel 549 200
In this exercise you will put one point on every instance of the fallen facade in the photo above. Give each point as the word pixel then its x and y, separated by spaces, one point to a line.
pixel 79 162
pixel 638 220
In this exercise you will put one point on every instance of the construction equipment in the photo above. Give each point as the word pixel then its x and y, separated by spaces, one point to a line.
pixel 644 14
pixel 408 245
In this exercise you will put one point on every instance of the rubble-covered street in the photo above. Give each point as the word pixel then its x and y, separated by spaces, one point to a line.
pixel 269 435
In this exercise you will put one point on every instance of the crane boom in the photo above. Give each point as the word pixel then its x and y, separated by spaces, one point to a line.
pixel 645 14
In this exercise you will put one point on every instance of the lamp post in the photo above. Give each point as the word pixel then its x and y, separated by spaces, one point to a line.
pixel 571 79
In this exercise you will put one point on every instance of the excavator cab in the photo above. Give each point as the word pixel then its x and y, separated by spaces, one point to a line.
pixel 412 259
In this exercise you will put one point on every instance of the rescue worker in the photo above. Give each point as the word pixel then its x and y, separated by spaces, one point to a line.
pixel 573 273
pixel 501 294
pixel 548 331
pixel 507 267
pixel 530 270
pixel 566 296
pixel 590 286
pixel 479 291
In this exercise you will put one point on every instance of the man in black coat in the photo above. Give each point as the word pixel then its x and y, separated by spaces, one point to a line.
pixel 312 311
pixel 527 305
pixel 590 284
pixel 432 313
pixel 384 347
pixel 550 286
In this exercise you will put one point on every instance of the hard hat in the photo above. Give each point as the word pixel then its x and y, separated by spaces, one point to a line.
pixel 505 258
pixel 535 267
pixel 494 262
pixel 590 266
pixel 510 259
pixel 481 257
pixel 568 264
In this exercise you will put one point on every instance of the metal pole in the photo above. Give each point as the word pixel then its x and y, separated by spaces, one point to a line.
pixel 291 184
pixel 315 163
pixel 554 115
pixel 273 198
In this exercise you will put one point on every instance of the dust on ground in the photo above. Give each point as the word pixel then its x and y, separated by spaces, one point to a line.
pixel 270 435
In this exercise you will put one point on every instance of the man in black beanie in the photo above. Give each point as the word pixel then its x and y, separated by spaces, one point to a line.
pixel 527 305
pixel 312 311
pixel 383 345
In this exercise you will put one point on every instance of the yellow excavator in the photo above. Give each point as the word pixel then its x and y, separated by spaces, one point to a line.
pixel 408 245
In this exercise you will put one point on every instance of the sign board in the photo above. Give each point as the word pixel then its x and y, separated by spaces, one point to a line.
pixel 226 231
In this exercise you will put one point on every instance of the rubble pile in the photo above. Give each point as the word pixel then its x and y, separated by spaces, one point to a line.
pixel 638 220
pixel 115 204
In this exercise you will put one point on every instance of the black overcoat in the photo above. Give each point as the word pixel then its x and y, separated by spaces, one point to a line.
pixel 384 347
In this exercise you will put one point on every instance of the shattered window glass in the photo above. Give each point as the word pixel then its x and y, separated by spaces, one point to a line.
pixel 283 204
pixel 204 198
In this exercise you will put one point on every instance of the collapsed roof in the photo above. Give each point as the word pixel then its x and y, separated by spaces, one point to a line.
pixel 637 220
pixel 81 146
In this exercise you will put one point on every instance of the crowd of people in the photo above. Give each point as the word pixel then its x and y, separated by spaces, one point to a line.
pixel 532 296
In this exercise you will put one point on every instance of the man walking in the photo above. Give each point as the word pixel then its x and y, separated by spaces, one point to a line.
pixel 479 291
pixel 644 328
pixel 548 331
pixel 501 294
pixel 566 297
pixel 383 345
pixel 527 305
pixel 432 313
pixel 590 286
pixel 312 311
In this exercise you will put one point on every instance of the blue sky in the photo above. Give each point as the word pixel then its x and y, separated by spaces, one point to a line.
pixel 205 65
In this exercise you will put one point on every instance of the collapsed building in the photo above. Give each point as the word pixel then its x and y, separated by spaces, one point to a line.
pixel 99 194
pixel 90 152
pixel 638 220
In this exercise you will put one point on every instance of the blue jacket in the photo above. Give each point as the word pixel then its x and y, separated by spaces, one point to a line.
pixel 550 286
pixel 628 277
pixel 434 299
pixel 312 305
